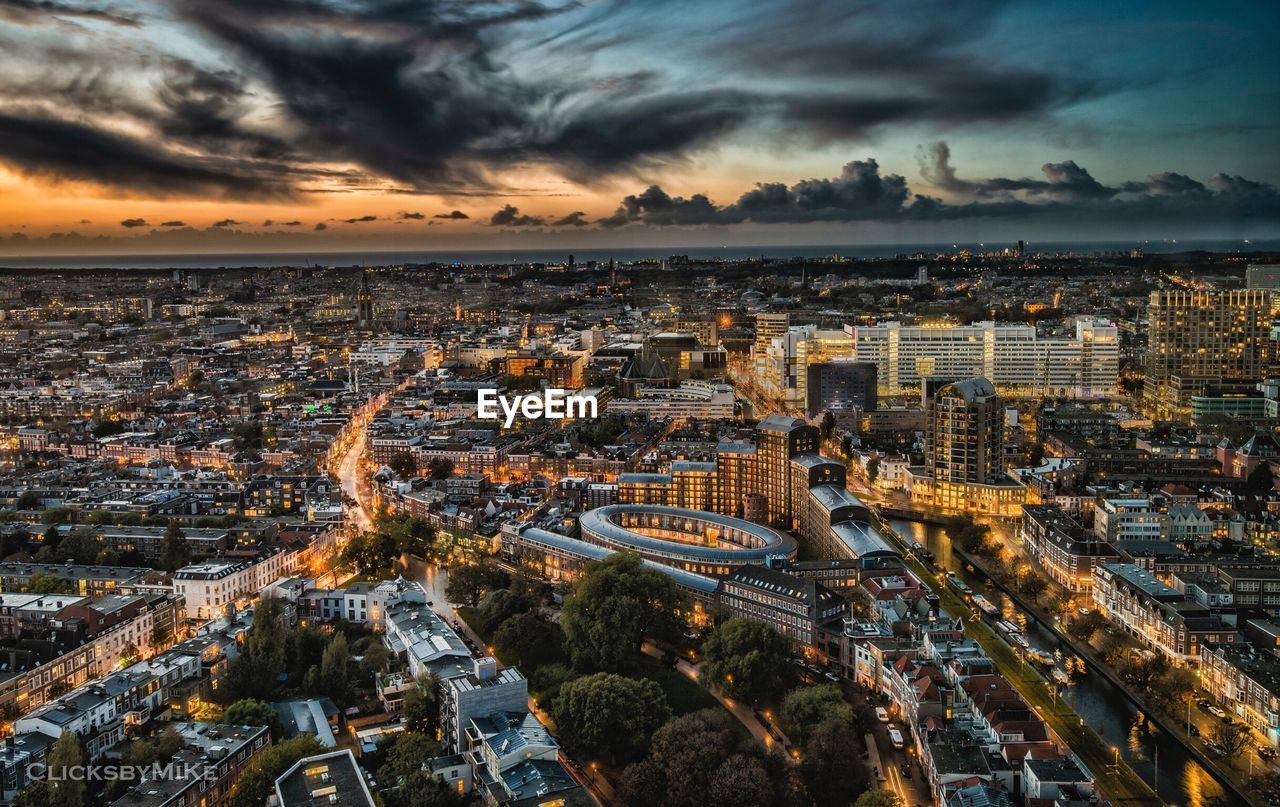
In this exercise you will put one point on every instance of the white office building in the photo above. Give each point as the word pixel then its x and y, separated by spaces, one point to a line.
pixel 1013 357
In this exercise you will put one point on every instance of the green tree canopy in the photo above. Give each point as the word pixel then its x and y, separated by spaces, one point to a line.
pixel 175 552
pixel 530 640
pixel 805 708
pixel 696 760
pixel 256 671
pixel 746 659
pixel 615 604
pixel 251 712
pixel 64 790
pixel 611 715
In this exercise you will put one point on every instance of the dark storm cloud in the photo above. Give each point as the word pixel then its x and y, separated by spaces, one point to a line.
pixel 510 216
pixel 173 224
pixel 320 225
pixel 424 94
pixel 453 214
pixel 860 193
pixel 32 12
pixel 360 219
pixel 131 223
pixel 405 215
pixel 575 219
pixel 290 224
pixel 1067 193
pixel 227 223
pixel 906 61
pixel 37 145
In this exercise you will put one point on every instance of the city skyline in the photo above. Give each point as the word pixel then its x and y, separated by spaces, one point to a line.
pixel 299 125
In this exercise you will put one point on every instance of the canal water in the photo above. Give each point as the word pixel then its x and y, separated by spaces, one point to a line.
pixel 1181 780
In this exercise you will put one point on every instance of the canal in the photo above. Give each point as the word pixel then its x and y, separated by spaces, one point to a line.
pixel 1179 779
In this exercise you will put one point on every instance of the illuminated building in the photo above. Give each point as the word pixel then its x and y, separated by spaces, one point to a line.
pixel 841 387
pixel 364 301
pixel 1015 358
pixel 1202 339
pixel 964 448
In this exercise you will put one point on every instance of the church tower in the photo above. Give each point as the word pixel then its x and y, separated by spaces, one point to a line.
pixel 364 301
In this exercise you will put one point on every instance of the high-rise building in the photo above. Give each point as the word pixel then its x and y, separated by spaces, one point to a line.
pixel 1263 276
pixel 841 387
pixel 1015 358
pixel 778 439
pixel 1201 339
pixel 964 438
pixel 784 373
pixel 964 451
pixel 769 326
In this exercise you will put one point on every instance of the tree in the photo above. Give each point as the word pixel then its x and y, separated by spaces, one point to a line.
pixel 879 798
pixel 175 552
pixel 499 605
pixel 37 794
pixel 28 500
pixel 259 776
pixel 405 759
pixel 334 669
pixel 256 671
pixel 609 714
pixel 139 754
pixel 805 708
pixel 64 790
pixel 873 470
pixel 1176 686
pixel 829 763
pixel 407 754
pixel 467 582
pixel 251 712
pixel 746 659
pixel 1229 740
pixel 422 705
pixel 615 604
pixel 403 463
pixel 169 743
pixel 741 781
pixel 1083 627
pixel 41 583
pixel 696 760
pixel 375 659
pixel 529 640
pixel 440 468
pixel 828 424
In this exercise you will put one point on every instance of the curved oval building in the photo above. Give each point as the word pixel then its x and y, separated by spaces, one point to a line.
pixel 694 540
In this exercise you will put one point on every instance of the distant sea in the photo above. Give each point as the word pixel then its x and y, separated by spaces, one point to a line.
pixel 622 254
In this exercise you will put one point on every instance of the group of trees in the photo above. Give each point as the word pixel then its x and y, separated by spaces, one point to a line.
pixel 614 607
pixel 376 553
pixel 972 536
pixel 747 660
pixel 276 657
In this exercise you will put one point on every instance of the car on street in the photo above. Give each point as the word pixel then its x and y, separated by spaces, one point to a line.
pixel 1267 752
pixel 1216 712
pixel 896 738
pixel 1194 730
pixel 882 714
pixel 906 770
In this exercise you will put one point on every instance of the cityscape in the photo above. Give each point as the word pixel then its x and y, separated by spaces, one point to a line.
pixel 612 404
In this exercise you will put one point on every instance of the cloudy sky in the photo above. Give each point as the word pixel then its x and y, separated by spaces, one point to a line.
pixel 234 125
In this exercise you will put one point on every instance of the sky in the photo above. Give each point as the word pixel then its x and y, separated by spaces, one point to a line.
pixel 169 126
